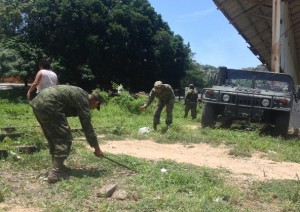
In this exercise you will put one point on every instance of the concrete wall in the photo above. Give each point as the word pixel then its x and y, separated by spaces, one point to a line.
pixel 287 44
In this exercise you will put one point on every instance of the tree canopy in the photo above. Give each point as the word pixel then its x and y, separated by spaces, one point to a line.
pixel 95 42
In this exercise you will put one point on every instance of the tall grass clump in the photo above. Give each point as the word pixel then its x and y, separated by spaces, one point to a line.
pixel 127 101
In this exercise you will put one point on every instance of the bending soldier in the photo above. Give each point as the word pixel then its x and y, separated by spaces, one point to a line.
pixel 166 98
pixel 51 108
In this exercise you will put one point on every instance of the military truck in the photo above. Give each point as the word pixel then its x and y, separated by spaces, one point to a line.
pixel 255 96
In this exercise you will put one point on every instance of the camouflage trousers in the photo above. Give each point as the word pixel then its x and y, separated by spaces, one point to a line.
pixel 169 109
pixel 57 132
pixel 190 106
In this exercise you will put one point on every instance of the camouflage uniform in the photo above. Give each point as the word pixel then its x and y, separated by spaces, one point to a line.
pixel 52 107
pixel 190 102
pixel 166 97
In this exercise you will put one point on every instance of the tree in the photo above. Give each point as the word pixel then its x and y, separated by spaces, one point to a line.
pixel 99 41
pixel 22 57
pixel 10 63
pixel 198 75
pixel 18 56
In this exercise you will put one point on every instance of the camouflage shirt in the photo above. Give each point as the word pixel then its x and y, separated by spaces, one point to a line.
pixel 191 96
pixel 69 100
pixel 166 93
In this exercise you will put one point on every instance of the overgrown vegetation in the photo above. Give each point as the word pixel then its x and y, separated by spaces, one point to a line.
pixel 182 188
pixel 125 41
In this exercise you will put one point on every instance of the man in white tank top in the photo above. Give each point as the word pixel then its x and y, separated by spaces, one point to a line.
pixel 44 78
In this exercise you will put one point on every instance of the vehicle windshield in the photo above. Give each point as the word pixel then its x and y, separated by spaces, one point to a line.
pixel 259 80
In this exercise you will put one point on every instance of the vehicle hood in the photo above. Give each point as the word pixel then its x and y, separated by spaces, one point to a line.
pixel 247 90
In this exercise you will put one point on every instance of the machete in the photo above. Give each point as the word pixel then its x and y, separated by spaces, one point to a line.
pixel 120 164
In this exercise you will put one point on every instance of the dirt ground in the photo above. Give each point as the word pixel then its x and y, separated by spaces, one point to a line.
pixel 252 168
pixel 243 170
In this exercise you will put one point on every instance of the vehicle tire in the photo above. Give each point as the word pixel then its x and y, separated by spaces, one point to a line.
pixel 226 122
pixel 281 125
pixel 209 115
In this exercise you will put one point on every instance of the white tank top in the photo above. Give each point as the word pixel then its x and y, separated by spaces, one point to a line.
pixel 49 78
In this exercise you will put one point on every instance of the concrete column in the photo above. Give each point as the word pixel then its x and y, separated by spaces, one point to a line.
pixel 275 63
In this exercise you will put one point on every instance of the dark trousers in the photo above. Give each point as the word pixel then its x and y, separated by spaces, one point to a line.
pixel 169 109
pixel 190 106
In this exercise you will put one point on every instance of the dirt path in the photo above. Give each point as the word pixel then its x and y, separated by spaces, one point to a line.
pixel 244 170
pixel 253 168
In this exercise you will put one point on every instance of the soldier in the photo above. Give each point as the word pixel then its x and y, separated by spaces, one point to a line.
pixel 190 102
pixel 51 108
pixel 165 95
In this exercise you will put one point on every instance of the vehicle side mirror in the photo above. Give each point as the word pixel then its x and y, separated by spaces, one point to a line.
pixel 222 75
pixel 298 92
pixel 212 79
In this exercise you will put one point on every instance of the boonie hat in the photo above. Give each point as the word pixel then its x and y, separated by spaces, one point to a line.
pixel 157 83
pixel 99 97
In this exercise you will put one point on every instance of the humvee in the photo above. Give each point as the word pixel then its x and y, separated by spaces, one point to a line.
pixel 255 96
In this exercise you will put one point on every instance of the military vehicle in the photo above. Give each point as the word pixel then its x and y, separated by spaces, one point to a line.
pixel 255 96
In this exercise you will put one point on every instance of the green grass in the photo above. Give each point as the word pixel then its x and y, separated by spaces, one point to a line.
pixel 182 188
pixel 287 193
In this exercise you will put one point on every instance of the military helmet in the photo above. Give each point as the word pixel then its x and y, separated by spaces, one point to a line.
pixel 157 83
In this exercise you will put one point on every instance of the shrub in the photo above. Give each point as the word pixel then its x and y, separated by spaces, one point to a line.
pixel 127 101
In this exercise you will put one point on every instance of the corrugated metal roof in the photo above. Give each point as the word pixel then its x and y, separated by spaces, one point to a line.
pixel 253 20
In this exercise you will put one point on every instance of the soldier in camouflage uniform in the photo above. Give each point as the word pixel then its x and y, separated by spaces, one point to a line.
pixel 165 95
pixel 190 102
pixel 51 108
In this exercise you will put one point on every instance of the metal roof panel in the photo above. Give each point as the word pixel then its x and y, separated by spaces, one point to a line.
pixel 253 20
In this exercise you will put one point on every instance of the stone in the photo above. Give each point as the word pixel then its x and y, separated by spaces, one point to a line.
pixel 107 190
pixel 120 194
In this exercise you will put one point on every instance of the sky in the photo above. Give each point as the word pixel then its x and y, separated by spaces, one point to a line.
pixel 210 35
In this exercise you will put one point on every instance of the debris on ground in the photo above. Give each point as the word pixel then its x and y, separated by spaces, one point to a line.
pixel 144 130
pixel 163 170
pixel 27 149
pixel 120 194
pixel 107 190
pixel 14 155
pixel 3 154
